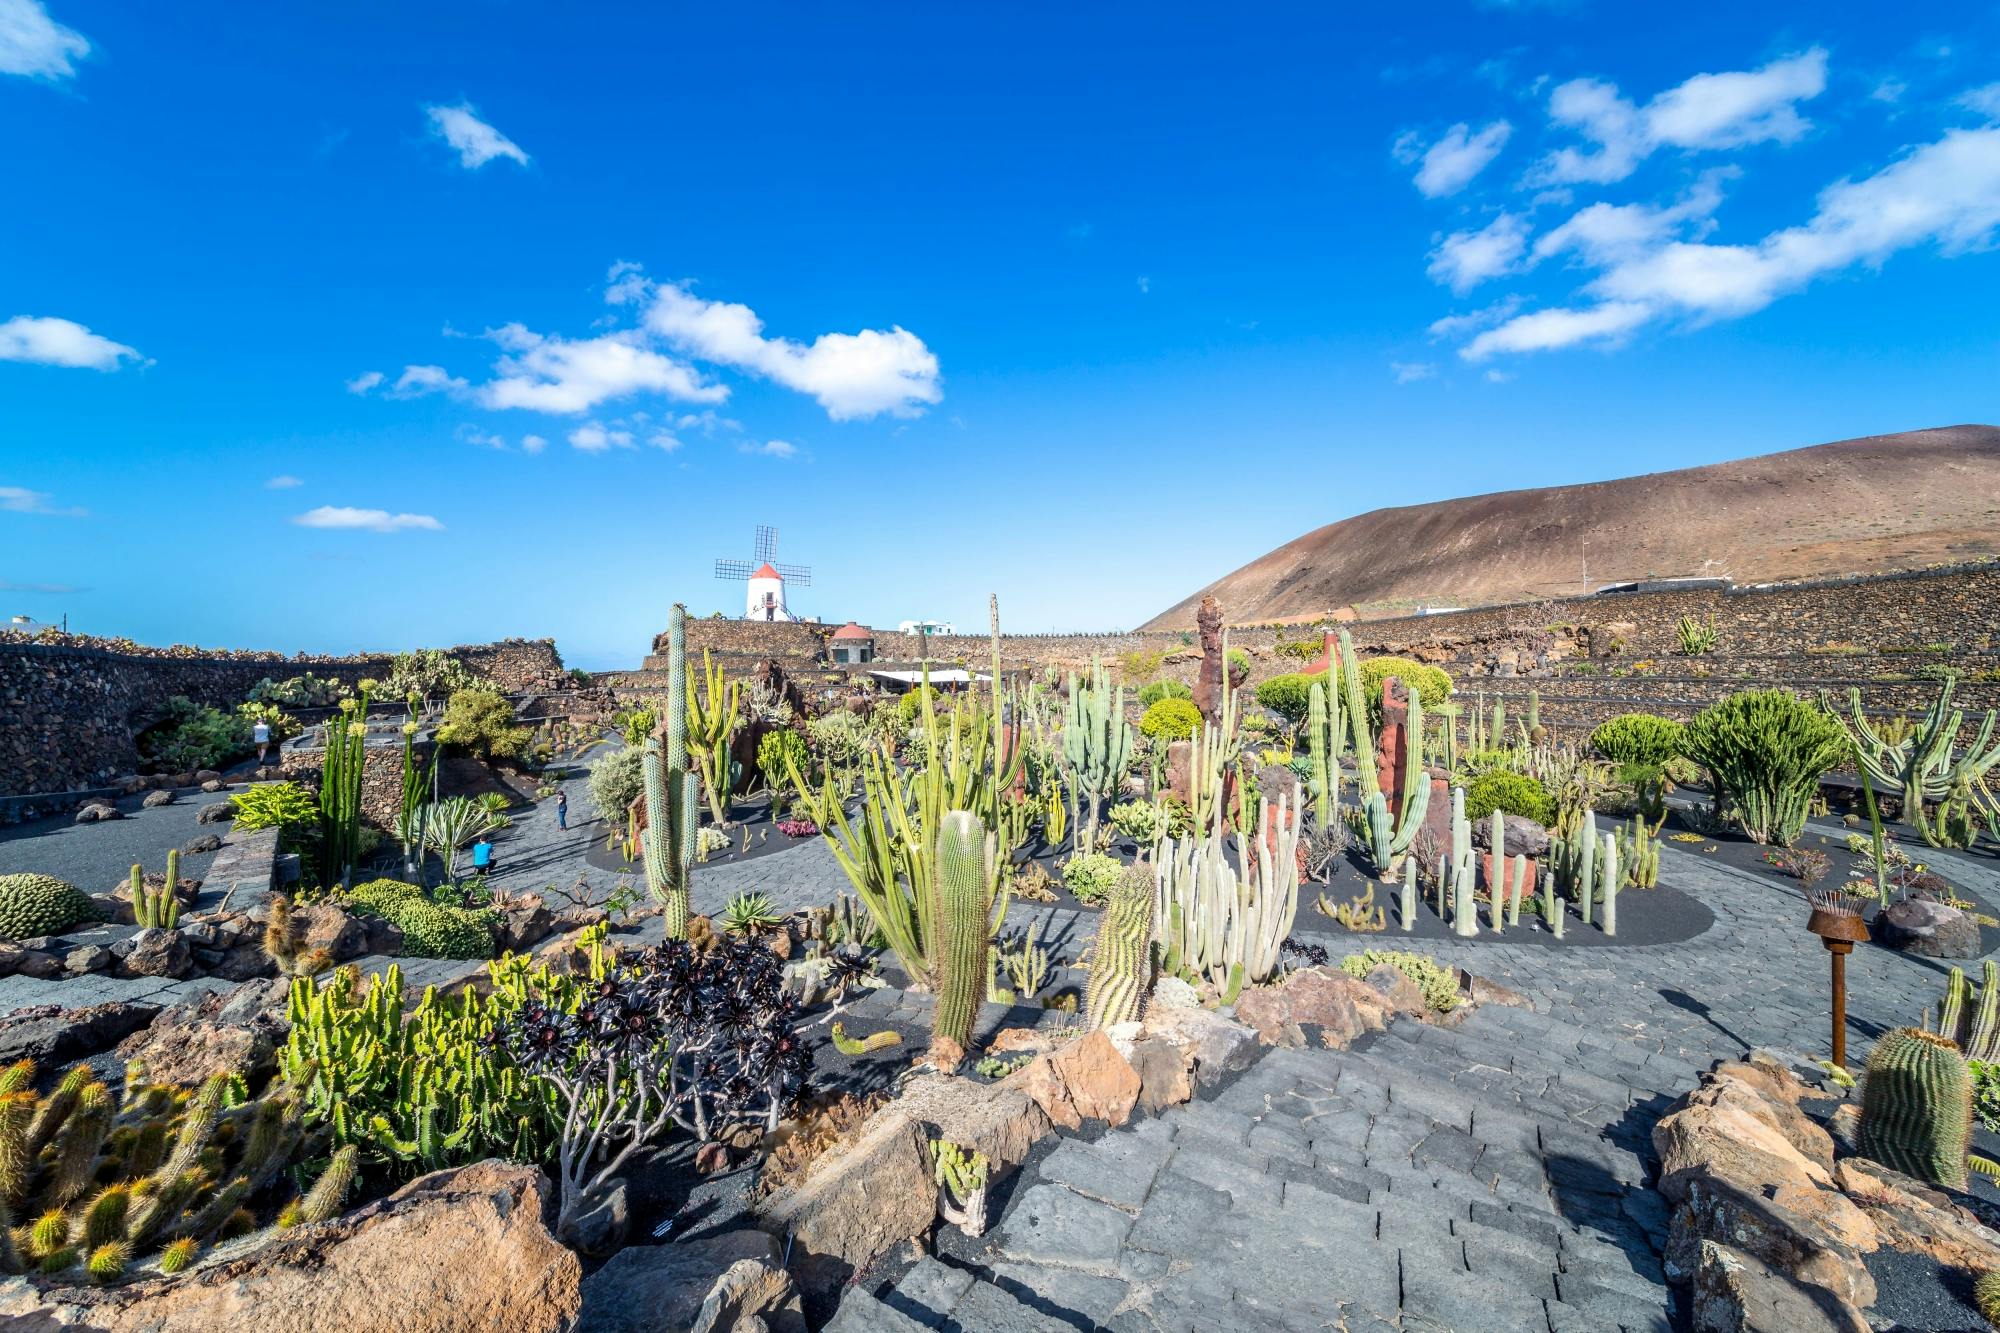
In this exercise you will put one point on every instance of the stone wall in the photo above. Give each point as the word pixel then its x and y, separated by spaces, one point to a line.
pixel 71 705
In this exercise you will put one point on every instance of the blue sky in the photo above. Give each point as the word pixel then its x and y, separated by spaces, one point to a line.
pixel 381 325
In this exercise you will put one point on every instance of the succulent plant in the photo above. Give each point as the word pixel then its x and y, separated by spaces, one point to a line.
pixel 32 905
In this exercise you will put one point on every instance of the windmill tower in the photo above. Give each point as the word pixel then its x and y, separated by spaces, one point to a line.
pixel 764 578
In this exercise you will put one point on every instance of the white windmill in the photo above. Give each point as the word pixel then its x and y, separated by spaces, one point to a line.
pixel 764 578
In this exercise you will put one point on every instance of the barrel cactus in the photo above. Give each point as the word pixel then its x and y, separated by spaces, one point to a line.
pixel 32 905
pixel 1916 1106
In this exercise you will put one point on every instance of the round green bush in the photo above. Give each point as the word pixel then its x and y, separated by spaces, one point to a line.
pixel 1641 739
pixel 430 930
pixel 910 706
pixel 1091 875
pixel 1155 690
pixel 1288 695
pixel 1432 684
pixel 1171 720
pixel 32 905
pixel 1514 793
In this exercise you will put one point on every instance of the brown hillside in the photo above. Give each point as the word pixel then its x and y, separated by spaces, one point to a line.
pixel 1872 505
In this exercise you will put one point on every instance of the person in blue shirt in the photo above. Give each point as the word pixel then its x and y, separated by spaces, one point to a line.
pixel 482 857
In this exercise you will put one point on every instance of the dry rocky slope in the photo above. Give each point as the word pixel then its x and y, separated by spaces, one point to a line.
pixel 1886 502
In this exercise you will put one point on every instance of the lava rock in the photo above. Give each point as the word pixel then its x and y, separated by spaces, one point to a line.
pixel 95 812
pixel 1929 929
pixel 49 1033
pixel 219 813
pixel 157 798
pixel 207 842
pixel 1524 836
pixel 159 953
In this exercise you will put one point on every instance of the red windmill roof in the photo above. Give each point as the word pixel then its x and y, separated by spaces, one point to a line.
pixel 766 572
pixel 851 630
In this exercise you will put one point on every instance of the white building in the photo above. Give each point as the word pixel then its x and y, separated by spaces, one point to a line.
pixel 926 627
pixel 765 598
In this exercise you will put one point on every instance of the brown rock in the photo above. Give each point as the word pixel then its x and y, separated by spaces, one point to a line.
pixel 1102 1086
pixel 158 953
pixel 1726 1129
pixel 189 1042
pixel 1929 929
pixel 1007 1041
pixel 1483 991
pixel 1918 1218
pixel 1268 1010
pixel 342 934
pixel 986 1117
pixel 1397 990
pixel 856 1203
pixel 1213 1045
pixel 38 963
pixel 1040 1081
pixel 96 812
pixel 707 1285
pixel 154 799
pixel 1736 1292
pixel 86 959
pixel 1790 1241
pixel 1164 1079
pixel 460 1251
pixel 1337 1004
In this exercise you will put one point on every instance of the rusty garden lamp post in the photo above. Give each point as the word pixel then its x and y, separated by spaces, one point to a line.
pixel 1836 919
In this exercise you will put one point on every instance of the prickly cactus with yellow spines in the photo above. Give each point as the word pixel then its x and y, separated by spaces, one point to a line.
pixel 1916 1106
pixel 1121 961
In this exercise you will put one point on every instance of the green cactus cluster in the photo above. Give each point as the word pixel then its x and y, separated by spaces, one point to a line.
pixel 1121 960
pixel 1222 922
pixel 1639 853
pixel 711 726
pixel 1916 1106
pixel 111 1180
pixel 1388 833
pixel 1972 1019
pixel 1438 983
pixel 420 1089
pixel 161 909
pixel 1097 743
pixel 1947 792
pixel 1589 868
pixel 32 905
pixel 1325 740
pixel 340 788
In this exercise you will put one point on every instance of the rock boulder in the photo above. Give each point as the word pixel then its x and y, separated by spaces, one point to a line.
pixel 1929 929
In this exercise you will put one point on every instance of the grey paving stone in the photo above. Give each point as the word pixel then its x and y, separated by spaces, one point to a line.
pixel 861 1313
pixel 929 1291
pixel 1467 1301
pixel 1179 1217
pixel 1051 1225
pixel 1061 1291
pixel 988 1309
pixel 1118 1169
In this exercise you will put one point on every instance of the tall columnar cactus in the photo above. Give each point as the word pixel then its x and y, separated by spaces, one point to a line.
pixel 1553 910
pixel 1946 793
pixel 161 909
pixel 340 787
pixel 1324 742
pixel 673 818
pixel 1609 880
pixel 1639 853
pixel 1973 1021
pixel 1464 872
pixel 1389 832
pixel 1097 743
pixel 711 726
pixel 1406 910
pixel 1534 715
pixel 1916 1106
pixel 1121 961
pixel 965 881
pixel 1496 888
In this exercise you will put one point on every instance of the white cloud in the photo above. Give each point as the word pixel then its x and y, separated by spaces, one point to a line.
pixel 1458 326
pixel 663 440
pixel 20 500
pixel 34 44
pixel 770 449
pixel 417 381
pixel 1145 284
pixel 1986 101
pixel 1889 90
pixel 594 438
pixel 365 382
pixel 484 439
pixel 282 483
pixel 1465 259
pixel 1410 372
pixel 60 342
pixel 533 444
pixel 851 374
pixel 1543 330
pixel 476 142
pixel 1497 377
pixel 1450 164
pixel 558 375
pixel 1606 234
pixel 1708 111
pixel 340 517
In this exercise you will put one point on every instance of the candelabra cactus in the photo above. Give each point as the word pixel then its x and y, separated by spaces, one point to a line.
pixel 1097 742
pixel 1324 742
pixel 1389 832
pixel 340 787
pixel 1916 1106
pixel 1228 923
pixel 1121 961
pixel 1973 1023
pixel 965 882
pixel 672 816
pixel 1946 792
pixel 1463 872
pixel 710 726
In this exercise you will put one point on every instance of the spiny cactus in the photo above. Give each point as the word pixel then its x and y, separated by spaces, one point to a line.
pixel 1225 923
pixel 1324 743
pixel 1916 1106
pixel 1639 853
pixel 1389 832
pixel 322 1201
pixel 1946 793
pixel 285 941
pixel 672 815
pixel 874 1041
pixel 1462 872
pixel 32 905
pixel 965 881
pixel 106 1180
pixel 161 909
pixel 1121 961
pixel 1407 908
pixel 1097 742
pixel 1974 1023
pixel 340 786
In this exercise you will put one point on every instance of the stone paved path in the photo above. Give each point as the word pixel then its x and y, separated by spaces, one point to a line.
pixel 1492 1176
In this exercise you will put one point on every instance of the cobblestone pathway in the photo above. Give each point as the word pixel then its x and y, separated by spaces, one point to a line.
pixel 1492 1176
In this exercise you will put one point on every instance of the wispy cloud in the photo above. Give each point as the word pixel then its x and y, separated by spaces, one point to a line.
pixel 1986 101
pixel 1450 164
pixel 593 437
pixel 342 518
pixel 1465 259
pixel 770 449
pixel 35 45
pixel 570 377
pixel 51 589
pixel 60 342
pixel 366 382
pixel 533 444
pixel 283 483
pixel 20 500
pixel 1411 372
pixel 475 141
pixel 1545 329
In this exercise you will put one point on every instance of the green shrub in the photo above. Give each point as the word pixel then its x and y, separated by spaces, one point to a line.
pixel 32 905
pixel 430 930
pixel 278 805
pixel 910 707
pixel 1091 875
pixel 307 691
pixel 481 722
pixel 1515 793
pixel 775 749
pixel 1768 750
pixel 1439 984
pixel 1432 685
pixel 429 672
pixel 1238 661
pixel 193 736
pixel 1639 738
pixel 1141 821
pixel 1171 720
pixel 1155 690
pixel 282 724
pixel 635 724
pixel 615 781
pixel 1288 695
pixel 1140 665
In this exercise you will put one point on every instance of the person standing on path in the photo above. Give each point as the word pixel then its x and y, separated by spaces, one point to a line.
pixel 261 733
pixel 562 810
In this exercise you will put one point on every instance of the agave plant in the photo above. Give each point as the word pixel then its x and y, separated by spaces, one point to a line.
pixel 750 914
pixel 456 823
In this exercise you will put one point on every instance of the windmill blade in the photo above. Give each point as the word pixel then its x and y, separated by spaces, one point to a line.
pixel 801 575
pixel 734 569
pixel 767 544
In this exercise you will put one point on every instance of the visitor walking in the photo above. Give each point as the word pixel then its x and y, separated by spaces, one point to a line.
pixel 562 810
pixel 261 733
